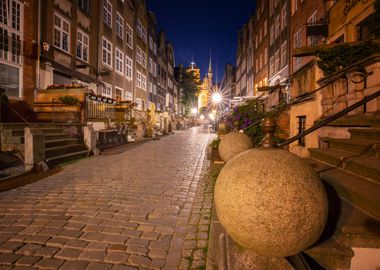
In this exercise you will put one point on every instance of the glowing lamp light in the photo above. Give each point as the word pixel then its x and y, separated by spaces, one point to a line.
pixel 211 116
pixel 216 98
pixel 194 110
pixel 202 117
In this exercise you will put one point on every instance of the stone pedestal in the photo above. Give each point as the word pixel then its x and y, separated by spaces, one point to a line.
pixel 89 135
pixel 34 147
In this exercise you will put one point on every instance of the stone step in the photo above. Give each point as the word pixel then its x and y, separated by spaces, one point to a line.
pixel 365 166
pixel 362 120
pixel 356 145
pixel 64 149
pixel 54 161
pixel 358 191
pixel 54 136
pixel 365 133
pixel 357 229
pixel 60 142
pixel 331 254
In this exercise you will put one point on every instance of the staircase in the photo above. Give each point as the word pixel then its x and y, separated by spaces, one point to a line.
pixel 350 169
pixel 60 146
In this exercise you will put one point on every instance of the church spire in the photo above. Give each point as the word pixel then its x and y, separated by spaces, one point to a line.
pixel 210 67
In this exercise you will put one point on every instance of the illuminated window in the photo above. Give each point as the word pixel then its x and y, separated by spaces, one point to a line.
pixel 107 12
pixel 61 33
pixel 82 46
pixel 107 52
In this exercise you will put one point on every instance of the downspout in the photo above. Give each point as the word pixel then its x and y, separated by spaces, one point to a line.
pixel 38 64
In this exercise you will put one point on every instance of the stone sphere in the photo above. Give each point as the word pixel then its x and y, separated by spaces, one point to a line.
pixel 271 201
pixel 232 144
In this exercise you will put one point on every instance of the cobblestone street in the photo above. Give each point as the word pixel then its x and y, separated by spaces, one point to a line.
pixel 146 208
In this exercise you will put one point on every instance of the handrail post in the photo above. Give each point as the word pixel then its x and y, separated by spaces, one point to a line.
pixel 269 128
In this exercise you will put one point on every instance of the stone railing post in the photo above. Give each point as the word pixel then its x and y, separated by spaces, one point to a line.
pixel 89 138
pixel 34 147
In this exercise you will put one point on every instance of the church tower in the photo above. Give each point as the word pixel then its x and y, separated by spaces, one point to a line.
pixel 206 88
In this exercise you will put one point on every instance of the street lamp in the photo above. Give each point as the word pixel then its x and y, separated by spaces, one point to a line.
pixel 194 111
pixel 216 98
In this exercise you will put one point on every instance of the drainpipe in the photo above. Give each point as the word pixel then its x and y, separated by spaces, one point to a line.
pixel 38 83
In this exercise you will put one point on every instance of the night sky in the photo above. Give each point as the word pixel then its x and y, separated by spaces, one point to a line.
pixel 195 27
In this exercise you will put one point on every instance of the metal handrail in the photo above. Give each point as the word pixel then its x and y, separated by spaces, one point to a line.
pixel 17 114
pixel 331 118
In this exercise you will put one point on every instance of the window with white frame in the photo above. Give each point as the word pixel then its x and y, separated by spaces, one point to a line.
pixel 139 104
pixel 277 61
pixel 284 16
pixel 154 69
pixel 139 28
pixel 284 53
pixel 138 79
pixel 155 48
pixel 128 95
pixel 143 58
pixel 107 12
pixel 277 27
pixel 151 43
pixel 82 45
pixel 150 88
pixel 119 61
pixel 271 65
pixel 119 93
pixel 11 21
pixel 128 67
pixel 297 42
pixel 106 52
pixel 106 90
pixel 138 55
pixel 119 25
pixel 150 66
pixel 143 82
pixel 84 5
pixel 61 33
pixel 294 6
pixel 129 36
pixel 144 34
pixel 154 89
pixel 271 34
pixel 313 40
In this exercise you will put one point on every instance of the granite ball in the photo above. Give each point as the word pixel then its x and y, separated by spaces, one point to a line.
pixel 271 201
pixel 232 144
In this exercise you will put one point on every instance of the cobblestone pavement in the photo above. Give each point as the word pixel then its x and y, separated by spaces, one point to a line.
pixel 141 209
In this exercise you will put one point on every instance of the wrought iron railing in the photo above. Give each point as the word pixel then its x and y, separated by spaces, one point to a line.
pixel 97 110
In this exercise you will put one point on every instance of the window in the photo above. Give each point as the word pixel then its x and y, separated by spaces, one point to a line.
pixel 61 33
pixel 297 42
pixel 154 69
pixel 143 82
pixel 284 53
pixel 82 46
pixel 107 12
pixel 301 128
pixel 119 61
pixel 107 90
pixel 284 17
pixel 151 43
pixel 138 55
pixel 155 48
pixel 119 25
pixel 150 67
pixel 84 5
pixel 154 89
pixel 150 88
pixel 138 81
pixel 129 36
pixel 128 68
pixel 271 65
pixel 107 52
pixel 141 31
pixel 265 56
pixel 119 93
pixel 294 6
pixel 271 34
pixel 143 58
pixel 11 21
pixel 128 95
pixel 139 27
pixel 277 27
pixel 313 40
pixel 265 29
pixel 277 61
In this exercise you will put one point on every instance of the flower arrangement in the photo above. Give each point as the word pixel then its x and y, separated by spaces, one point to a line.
pixel 243 116
pixel 65 86
pixel 68 100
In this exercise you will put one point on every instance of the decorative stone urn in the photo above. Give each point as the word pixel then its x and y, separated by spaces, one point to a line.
pixel 271 201
pixel 232 144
